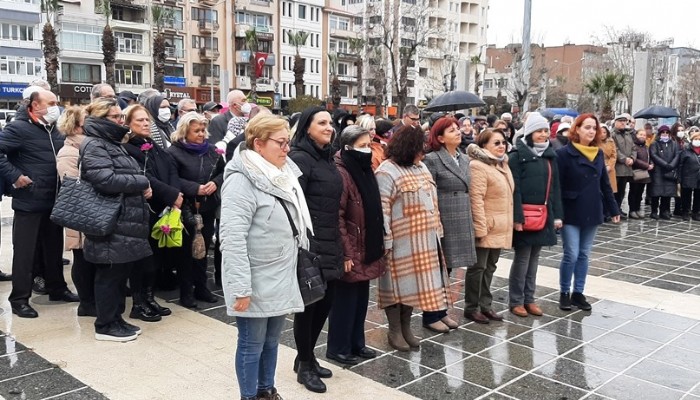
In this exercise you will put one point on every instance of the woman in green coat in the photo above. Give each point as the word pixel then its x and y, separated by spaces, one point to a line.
pixel 534 168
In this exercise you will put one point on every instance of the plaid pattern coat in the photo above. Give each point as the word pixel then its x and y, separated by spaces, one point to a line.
pixel 415 275
pixel 453 179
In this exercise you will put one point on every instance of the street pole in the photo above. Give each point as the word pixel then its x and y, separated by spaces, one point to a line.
pixel 525 64
pixel 211 59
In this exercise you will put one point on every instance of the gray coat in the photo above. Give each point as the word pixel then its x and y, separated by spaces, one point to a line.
pixel 259 252
pixel 455 207
pixel 624 142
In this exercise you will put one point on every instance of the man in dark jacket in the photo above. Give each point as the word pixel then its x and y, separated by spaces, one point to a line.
pixel 30 143
pixel 626 154
pixel 217 128
pixel 3 185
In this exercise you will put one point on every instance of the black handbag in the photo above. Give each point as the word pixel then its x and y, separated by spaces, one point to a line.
pixel 80 207
pixel 311 282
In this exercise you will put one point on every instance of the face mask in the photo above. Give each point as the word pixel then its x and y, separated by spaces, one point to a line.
pixel 52 114
pixel 680 134
pixel 245 108
pixel 696 143
pixel 164 114
pixel 665 139
pixel 366 150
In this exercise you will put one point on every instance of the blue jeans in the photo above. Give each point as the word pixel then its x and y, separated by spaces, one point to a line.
pixel 577 242
pixel 256 355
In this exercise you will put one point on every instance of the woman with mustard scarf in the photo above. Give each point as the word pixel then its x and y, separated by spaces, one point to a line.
pixel 586 196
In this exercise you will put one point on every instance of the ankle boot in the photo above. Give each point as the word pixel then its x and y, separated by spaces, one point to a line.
pixel 396 338
pixel 316 367
pixel 141 310
pixel 307 377
pixel 150 300
pixel 187 298
pixel 579 300
pixel 406 312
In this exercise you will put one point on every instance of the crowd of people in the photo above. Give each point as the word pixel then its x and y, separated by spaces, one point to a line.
pixel 399 203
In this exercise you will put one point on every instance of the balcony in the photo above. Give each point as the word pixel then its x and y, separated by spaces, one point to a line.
pixel 209 81
pixel 263 32
pixel 242 56
pixel 208 26
pixel 347 56
pixel 347 79
pixel 173 53
pixel 207 54
pixel 210 3
pixel 243 82
pixel 24 44
pixel 344 33
pixel 265 85
pixel 270 60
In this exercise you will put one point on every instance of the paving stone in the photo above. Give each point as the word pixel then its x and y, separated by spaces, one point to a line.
pixel 391 371
pixel 516 356
pixel 628 388
pixel 667 375
pixel 439 386
pixel 535 387
pixel 576 374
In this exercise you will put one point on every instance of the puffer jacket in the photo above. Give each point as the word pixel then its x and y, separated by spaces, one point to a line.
pixel 31 150
pixel 491 194
pixel 67 165
pixel 195 170
pixel 689 169
pixel 353 230
pixel 666 157
pixel 258 249
pixel 112 171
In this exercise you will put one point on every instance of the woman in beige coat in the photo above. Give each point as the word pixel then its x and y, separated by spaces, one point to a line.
pixel 491 195
pixel 82 272
pixel 610 152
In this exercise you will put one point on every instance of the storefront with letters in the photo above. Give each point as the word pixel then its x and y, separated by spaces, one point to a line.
pixel 10 95
pixel 74 93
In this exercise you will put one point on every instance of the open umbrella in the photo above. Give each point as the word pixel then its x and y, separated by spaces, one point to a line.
pixel 656 112
pixel 455 100
pixel 551 112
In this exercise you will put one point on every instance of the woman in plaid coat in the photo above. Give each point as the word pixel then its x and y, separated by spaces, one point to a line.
pixel 416 275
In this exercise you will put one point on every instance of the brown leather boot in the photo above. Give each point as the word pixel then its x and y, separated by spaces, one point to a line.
pixel 396 339
pixel 406 312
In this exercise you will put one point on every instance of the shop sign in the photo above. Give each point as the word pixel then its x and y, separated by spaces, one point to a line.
pixel 11 90
pixel 74 91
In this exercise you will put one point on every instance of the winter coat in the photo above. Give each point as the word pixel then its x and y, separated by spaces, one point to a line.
pixel 531 175
pixel 217 127
pixel 352 227
pixel 378 156
pixel 415 275
pixel 31 150
pixel 585 188
pixel 160 131
pixel 112 171
pixel 624 144
pixel 259 251
pixel 195 170
pixel 666 157
pixel 161 172
pixel 610 154
pixel 643 157
pixel 67 165
pixel 323 186
pixel 491 194
pixel 452 179
pixel 689 169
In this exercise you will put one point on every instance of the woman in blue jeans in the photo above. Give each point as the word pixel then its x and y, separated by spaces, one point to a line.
pixel 259 251
pixel 586 196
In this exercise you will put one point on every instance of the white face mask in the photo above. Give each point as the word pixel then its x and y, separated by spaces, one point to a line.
pixel 696 143
pixel 164 114
pixel 680 134
pixel 52 114
pixel 245 108
pixel 365 150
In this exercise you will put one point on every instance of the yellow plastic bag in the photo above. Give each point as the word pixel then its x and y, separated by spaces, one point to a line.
pixel 168 229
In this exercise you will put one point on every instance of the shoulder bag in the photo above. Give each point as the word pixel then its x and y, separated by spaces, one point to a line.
pixel 536 214
pixel 311 282
pixel 642 175
pixel 80 207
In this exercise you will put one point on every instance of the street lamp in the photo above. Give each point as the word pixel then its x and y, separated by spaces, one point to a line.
pixel 211 43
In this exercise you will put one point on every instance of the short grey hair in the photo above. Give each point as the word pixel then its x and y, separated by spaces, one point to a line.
pixel 97 90
pixel 411 109
pixel 146 94
pixel 184 102
pixel 349 135
pixel 41 83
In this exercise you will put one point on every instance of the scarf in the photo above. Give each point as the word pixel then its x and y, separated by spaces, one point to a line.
pixel 199 149
pixel 359 166
pixel 537 148
pixel 696 150
pixel 285 180
pixel 590 152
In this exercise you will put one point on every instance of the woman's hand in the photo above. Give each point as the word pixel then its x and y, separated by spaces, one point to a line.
pixel 348 265
pixel 202 191
pixel 148 193
pixel 558 224
pixel 651 166
pixel 210 188
pixel 518 226
pixel 241 304
pixel 178 201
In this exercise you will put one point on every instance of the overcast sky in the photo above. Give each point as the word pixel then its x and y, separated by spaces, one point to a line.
pixel 555 22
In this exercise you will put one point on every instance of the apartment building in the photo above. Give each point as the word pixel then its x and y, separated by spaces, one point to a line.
pixel 342 32
pixel 20 48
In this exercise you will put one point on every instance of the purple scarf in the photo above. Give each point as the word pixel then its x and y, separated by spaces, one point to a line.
pixel 199 149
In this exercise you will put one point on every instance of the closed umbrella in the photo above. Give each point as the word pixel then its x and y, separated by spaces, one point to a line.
pixel 455 100
pixel 656 112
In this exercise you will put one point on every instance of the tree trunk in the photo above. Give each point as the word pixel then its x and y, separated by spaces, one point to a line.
pixel 159 62
pixel 51 51
pixel 253 76
pixel 299 69
pixel 335 90
pixel 108 53
pixel 360 84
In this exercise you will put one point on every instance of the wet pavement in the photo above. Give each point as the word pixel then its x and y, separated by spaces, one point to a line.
pixel 623 349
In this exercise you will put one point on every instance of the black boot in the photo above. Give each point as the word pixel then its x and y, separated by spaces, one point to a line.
pixel 665 215
pixel 565 302
pixel 187 298
pixel 141 310
pixel 579 300
pixel 160 310
pixel 307 377
pixel 317 368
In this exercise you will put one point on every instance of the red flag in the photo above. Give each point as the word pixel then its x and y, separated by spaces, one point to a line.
pixel 260 59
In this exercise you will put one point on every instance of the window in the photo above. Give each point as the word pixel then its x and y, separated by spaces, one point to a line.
pixel 311 36
pixel 343 69
pixel 318 63
pixel 344 91
pixel 176 19
pixel 205 70
pixel 81 37
pixel 244 70
pixel 261 22
pixel 488 83
pixel 340 23
pixel 302 12
pixel 375 19
pixel 409 1
pixel 358 21
pixel 311 65
pixel 130 43
pixel 125 74
pixel 199 42
pixel 408 21
pixel 174 46
pixel 284 9
pixel 81 73
pixel 318 40
pixel 342 46
pixel 16 32
pixel 356 1
pixel 177 70
pixel 284 36
pixel 407 42
pixel 423 72
pixel 10 65
pixel 204 14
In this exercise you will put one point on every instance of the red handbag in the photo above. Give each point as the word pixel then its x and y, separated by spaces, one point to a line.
pixel 536 214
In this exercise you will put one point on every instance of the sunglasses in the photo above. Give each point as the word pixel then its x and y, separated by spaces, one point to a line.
pixel 500 143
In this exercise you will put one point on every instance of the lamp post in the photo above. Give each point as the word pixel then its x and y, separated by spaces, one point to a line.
pixel 211 43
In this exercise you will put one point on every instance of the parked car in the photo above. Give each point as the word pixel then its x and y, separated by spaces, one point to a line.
pixel 3 117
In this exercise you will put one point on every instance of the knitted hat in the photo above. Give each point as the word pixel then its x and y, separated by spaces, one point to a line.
pixel 535 122
pixel 664 128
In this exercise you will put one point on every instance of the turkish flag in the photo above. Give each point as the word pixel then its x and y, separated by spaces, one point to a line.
pixel 260 59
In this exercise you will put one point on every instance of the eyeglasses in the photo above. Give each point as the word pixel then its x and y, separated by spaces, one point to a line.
pixel 500 143
pixel 415 119
pixel 283 143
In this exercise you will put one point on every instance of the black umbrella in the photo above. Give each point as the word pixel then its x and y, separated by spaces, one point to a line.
pixel 455 100
pixel 656 112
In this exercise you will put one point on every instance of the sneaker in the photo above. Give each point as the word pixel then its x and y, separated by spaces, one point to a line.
pixel 565 302
pixel 579 300
pixel 115 333
pixel 130 327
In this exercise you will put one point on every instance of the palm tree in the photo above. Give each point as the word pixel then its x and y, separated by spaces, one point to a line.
pixel 49 40
pixel 356 45
pixel 108 45
pixel 335 83
pixel 475 61
pixel 159 16
pixel 298 39
pixel 251 42
pixel 607 86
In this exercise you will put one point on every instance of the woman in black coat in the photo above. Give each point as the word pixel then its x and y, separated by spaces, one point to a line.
pixel 665 156
pixel 157 165
pixel 112 171
pixel 690 177
pixel 200 167
pixel 323 186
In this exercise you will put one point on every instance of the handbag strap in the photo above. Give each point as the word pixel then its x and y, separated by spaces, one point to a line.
pixel 549 181
pixel 295 232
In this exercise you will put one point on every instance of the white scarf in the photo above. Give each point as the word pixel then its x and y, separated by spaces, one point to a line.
pixel 285 180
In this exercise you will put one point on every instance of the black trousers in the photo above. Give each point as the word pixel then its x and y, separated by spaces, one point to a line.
pixel 635 197
pixel 308 324
pixel 110 292
pixel 665 204
pixel 622 182
pixel 83 275
pixel 36 240
pixel 690 196
pixel 346 323
pixel 143 275
pixel 191 272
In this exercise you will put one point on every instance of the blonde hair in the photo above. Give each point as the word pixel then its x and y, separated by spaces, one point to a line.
pixel 99 108
pixel 262 126
pixel 183 125
pixel 69 121
pixel 366 121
